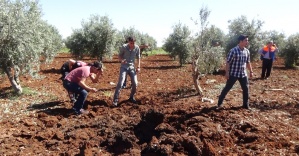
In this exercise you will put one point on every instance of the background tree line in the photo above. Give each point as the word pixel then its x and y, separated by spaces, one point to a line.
pixel 98 38
pixel 212 45
pixel 26 41
pixel 207 49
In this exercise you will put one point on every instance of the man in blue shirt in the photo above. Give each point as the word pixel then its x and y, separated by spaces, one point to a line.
pixel 268 56
pixel 126 56
pixel 238 59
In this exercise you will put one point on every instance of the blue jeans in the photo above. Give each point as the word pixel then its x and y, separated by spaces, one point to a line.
pixel 229 84
pixel 125 82
pixel 75 88
pixel 122 76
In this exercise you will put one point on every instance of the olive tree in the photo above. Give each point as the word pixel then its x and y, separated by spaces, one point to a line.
pixel 242 26
pixel 141 38
pixel 24 39
pixel 291 51
pixel 207 52
pixel 178 43
pixel 95 38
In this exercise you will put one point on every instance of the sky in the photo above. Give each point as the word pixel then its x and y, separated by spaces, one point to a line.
pixel 157 17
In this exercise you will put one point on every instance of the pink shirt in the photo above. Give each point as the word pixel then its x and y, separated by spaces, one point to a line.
pixel 81 63
pixel 77 74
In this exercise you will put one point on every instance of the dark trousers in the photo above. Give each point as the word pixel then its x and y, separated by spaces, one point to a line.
pixel 125 83
pixel 229 84
pixel 75 88
pixel 266 67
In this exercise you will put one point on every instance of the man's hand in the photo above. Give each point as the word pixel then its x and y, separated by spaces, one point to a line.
pixel 138 70
pixel 124 61
pixel 251 74
pixel 93 90
pixel 226 75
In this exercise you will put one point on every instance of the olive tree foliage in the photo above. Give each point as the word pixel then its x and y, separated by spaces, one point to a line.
pixel 178 43
pixel 141 38
pixel 94 39
pixel 52 42
pixel 291 51
pixel 207 52
pixel 24 39
pixel 242 26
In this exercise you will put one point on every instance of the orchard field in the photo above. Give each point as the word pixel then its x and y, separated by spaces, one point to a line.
pixel 169 119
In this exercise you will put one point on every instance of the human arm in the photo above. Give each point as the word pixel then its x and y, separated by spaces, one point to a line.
pixel 227 70
pixel 86 87
pixel 229 59
pixel 95 77
pixel 261 52
pixel 121 55
pixel 71 63
pixel 138 66
pixel 249 67
pixel 138 60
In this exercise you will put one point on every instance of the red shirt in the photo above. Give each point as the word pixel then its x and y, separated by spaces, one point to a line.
pixel 77 74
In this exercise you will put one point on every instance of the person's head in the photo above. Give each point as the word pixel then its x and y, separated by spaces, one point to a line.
pixel 96 67
pixel 270 43
pixel 243 40
pixel 131 40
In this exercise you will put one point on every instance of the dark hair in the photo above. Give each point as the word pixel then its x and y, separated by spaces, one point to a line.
pixel 242 37
pixel 96 64
pixel 130 39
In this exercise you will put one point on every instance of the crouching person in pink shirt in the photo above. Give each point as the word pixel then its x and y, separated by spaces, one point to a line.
pixel 75 83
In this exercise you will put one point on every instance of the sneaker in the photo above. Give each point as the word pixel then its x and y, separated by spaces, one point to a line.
pixel 114 103
pixel 73 100
pixel 123 87
pixel 132 99
pixel 81 111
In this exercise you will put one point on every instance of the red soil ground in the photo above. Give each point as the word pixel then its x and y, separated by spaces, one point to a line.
pixel 169 118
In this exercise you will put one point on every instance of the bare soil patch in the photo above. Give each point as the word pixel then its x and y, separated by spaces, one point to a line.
pixel 169 118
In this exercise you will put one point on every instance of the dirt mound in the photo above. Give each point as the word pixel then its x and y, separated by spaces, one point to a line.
pixel 169 119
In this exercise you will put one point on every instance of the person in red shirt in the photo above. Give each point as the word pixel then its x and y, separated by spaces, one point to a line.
pixel 70 65
pixel 75 82
pixel 66 68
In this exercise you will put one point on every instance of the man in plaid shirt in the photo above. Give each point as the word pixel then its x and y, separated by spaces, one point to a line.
pixel 238 59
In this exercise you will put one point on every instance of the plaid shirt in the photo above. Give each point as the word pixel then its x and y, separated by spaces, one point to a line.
pixel 237 60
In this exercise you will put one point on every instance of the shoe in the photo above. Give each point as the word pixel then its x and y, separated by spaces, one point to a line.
pixel 132 99
pixel 114 103
pixel 73 100
pixel 81 111
pixel 219 107
pixel 123 87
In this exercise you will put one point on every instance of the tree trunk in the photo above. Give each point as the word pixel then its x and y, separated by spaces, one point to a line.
pixel 196 84
pixel 14 79
pixel 195 76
